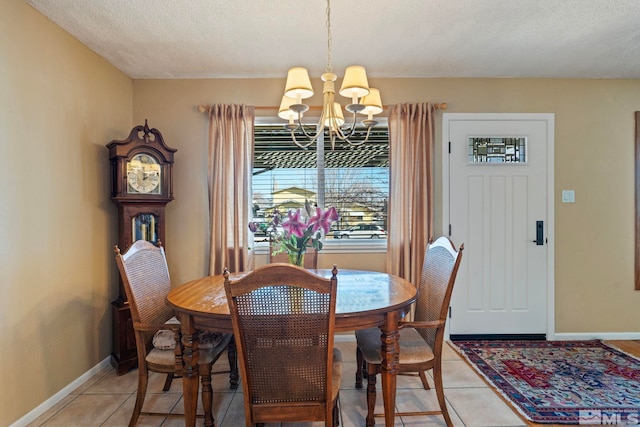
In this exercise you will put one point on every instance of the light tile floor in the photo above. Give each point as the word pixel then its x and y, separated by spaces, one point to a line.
pixel 107 400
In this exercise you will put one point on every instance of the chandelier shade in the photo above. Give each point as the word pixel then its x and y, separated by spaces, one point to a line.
pixel 355 86
pixel 334 117
pixel 372 103
pixel 298 84
pixel 284 112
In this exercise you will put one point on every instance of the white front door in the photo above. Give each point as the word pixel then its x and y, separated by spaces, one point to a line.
pixel 498 202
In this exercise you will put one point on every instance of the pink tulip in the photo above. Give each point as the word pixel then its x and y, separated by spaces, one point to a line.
pixel 322 220
pixel 293 225
pixel 334 214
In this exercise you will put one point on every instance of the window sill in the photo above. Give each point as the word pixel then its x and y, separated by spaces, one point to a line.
pixel 341 246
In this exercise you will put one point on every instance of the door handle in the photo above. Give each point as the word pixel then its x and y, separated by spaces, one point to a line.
pixel 539 233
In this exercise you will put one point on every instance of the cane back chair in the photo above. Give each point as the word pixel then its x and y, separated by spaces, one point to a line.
pixel 146 281
pixel 283 319
pixel 420 340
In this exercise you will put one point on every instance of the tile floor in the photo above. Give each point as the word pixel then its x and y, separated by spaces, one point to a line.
pixel 107 400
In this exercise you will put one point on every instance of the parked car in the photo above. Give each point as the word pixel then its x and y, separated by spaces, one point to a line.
pixel 362 231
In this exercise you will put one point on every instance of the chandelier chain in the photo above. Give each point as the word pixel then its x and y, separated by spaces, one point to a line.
pixel 354 86
pixel 329 68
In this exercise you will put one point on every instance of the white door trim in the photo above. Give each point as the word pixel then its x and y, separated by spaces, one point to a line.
pixel 550 118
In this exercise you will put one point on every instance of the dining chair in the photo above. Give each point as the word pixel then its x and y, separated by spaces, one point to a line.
pixel 146 281
pixel 283 319
pixel 420 340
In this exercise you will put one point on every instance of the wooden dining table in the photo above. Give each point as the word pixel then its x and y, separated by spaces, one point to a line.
pixel 365 299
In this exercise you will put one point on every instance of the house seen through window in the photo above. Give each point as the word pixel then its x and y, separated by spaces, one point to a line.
pixel 353 179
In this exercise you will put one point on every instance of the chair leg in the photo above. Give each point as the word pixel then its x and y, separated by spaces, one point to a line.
pixel 167 382
pixel 423 378
pixel 359 367
pixel 371 396
pixel 437 377
pixel 207 399
pixel 232 354
pixel 143 378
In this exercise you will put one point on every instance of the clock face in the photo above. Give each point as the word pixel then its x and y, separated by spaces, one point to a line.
pixel 144 175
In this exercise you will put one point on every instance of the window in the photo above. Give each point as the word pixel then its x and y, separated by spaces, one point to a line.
pixel 497 150
pixel 353 179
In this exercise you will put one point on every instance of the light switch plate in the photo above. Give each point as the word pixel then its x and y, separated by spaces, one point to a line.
pixel 568 196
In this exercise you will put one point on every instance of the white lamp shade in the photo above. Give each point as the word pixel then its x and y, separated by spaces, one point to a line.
pixel 335 112
pixel 284 112
pixel 298 83
pixel 355 82
pixel 372 102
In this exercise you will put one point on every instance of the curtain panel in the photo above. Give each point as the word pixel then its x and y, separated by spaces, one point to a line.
pixel 410 210
pixel 229 183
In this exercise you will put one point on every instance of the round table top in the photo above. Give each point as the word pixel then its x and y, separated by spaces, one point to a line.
pixel 359 293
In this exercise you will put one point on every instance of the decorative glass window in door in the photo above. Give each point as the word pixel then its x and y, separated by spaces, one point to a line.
pixel 497 149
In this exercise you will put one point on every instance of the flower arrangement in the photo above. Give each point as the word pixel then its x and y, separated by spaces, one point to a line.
pixel 298 231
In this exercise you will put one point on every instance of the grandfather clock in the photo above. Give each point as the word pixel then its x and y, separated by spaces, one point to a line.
pixel 141 186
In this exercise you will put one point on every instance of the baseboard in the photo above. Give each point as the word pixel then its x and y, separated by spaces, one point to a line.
pixel 53 400
pixel 611 336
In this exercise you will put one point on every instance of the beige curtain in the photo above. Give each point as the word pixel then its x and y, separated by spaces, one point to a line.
pixel 410 209
pixel 229 179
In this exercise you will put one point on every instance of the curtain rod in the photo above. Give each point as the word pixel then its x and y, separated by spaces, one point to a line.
pixel 207 108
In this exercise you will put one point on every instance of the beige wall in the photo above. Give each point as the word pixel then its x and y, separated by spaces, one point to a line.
pixel 60 104
pixel 593 156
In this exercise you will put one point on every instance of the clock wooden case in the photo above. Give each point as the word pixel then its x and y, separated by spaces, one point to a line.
pixel 141 186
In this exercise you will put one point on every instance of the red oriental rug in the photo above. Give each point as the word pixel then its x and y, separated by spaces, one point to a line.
pixel 561 382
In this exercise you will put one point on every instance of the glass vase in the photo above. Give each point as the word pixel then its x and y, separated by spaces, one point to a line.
pixel 296 259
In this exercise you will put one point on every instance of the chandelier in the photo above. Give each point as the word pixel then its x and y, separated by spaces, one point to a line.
pixel 364 100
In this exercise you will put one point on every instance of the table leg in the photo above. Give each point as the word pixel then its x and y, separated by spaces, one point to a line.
pixel 190 379
pixel 389 372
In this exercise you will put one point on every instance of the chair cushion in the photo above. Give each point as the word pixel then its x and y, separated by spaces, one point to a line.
pixel 164 339
pixel 336 373
pixel 413 348
pixel 159 357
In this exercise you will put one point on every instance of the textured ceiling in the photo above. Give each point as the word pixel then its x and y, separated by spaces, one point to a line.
pixel 401 38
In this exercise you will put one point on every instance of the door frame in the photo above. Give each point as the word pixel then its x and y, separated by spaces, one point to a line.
pixel 447 118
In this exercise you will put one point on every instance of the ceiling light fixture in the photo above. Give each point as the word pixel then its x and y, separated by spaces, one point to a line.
pixel 364 100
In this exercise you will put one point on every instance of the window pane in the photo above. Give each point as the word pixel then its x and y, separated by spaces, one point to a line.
pixel 354 179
